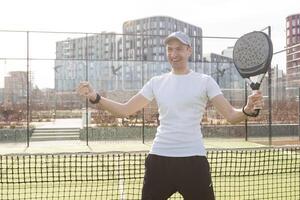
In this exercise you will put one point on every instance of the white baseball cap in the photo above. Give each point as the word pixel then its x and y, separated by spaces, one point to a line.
pixel 182 37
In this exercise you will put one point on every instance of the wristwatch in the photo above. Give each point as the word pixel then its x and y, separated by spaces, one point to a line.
pixel 98 98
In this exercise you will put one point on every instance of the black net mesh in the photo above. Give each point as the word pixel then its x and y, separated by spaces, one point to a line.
pixel 263 173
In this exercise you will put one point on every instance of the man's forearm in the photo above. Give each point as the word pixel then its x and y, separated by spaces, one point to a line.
pixel 116 108
pixel 237 116
pixel 136 103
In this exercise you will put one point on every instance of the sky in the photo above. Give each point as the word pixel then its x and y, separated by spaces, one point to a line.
pixel 230 18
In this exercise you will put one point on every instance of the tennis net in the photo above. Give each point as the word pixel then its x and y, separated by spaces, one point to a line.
pixel 260 173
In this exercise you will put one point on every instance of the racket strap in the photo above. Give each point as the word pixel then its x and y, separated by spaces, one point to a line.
pixel 255 114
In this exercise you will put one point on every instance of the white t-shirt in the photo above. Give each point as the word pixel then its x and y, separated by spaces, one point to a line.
pixel 181 103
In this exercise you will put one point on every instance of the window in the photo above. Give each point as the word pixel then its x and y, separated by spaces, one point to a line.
pixel 287 24
pixel 127 45
pixel 293 22
pixel 293 40
pixel 161 24
pixel 288 32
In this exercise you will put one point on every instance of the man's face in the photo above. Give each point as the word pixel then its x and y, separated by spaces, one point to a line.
pixel 178 53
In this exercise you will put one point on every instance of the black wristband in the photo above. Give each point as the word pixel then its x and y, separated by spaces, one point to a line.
pixel 247 114
pixel 98 98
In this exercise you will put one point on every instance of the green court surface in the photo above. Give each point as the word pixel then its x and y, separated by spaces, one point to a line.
pixel 111 146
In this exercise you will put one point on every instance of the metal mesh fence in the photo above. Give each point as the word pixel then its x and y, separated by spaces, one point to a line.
pixel 40 71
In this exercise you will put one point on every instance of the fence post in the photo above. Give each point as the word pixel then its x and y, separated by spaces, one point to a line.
pixel 86 101
pixel 270 95
pixel 299 113
pixel 28 88
pixel 246 121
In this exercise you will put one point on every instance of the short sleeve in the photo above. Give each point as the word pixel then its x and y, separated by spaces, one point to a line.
pixel 212 88
pixel 147 90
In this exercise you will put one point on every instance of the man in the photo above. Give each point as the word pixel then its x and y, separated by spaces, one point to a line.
pixel 177 160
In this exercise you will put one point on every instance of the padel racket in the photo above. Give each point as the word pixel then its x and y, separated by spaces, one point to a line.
pixel 252 56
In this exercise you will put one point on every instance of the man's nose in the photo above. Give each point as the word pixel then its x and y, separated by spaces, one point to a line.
pixel 174 53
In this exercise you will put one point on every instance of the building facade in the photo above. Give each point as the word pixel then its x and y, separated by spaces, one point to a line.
pixel 15 87
pixel 144 38
pixel 77 60
pixel 1 95
pixel 124 61
pixel 143 47
pixel 293 53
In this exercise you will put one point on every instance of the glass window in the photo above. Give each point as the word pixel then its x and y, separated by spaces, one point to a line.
pixel 293 22
pixel 161 24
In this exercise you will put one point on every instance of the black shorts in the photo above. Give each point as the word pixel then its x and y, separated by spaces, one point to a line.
pixel 164 176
